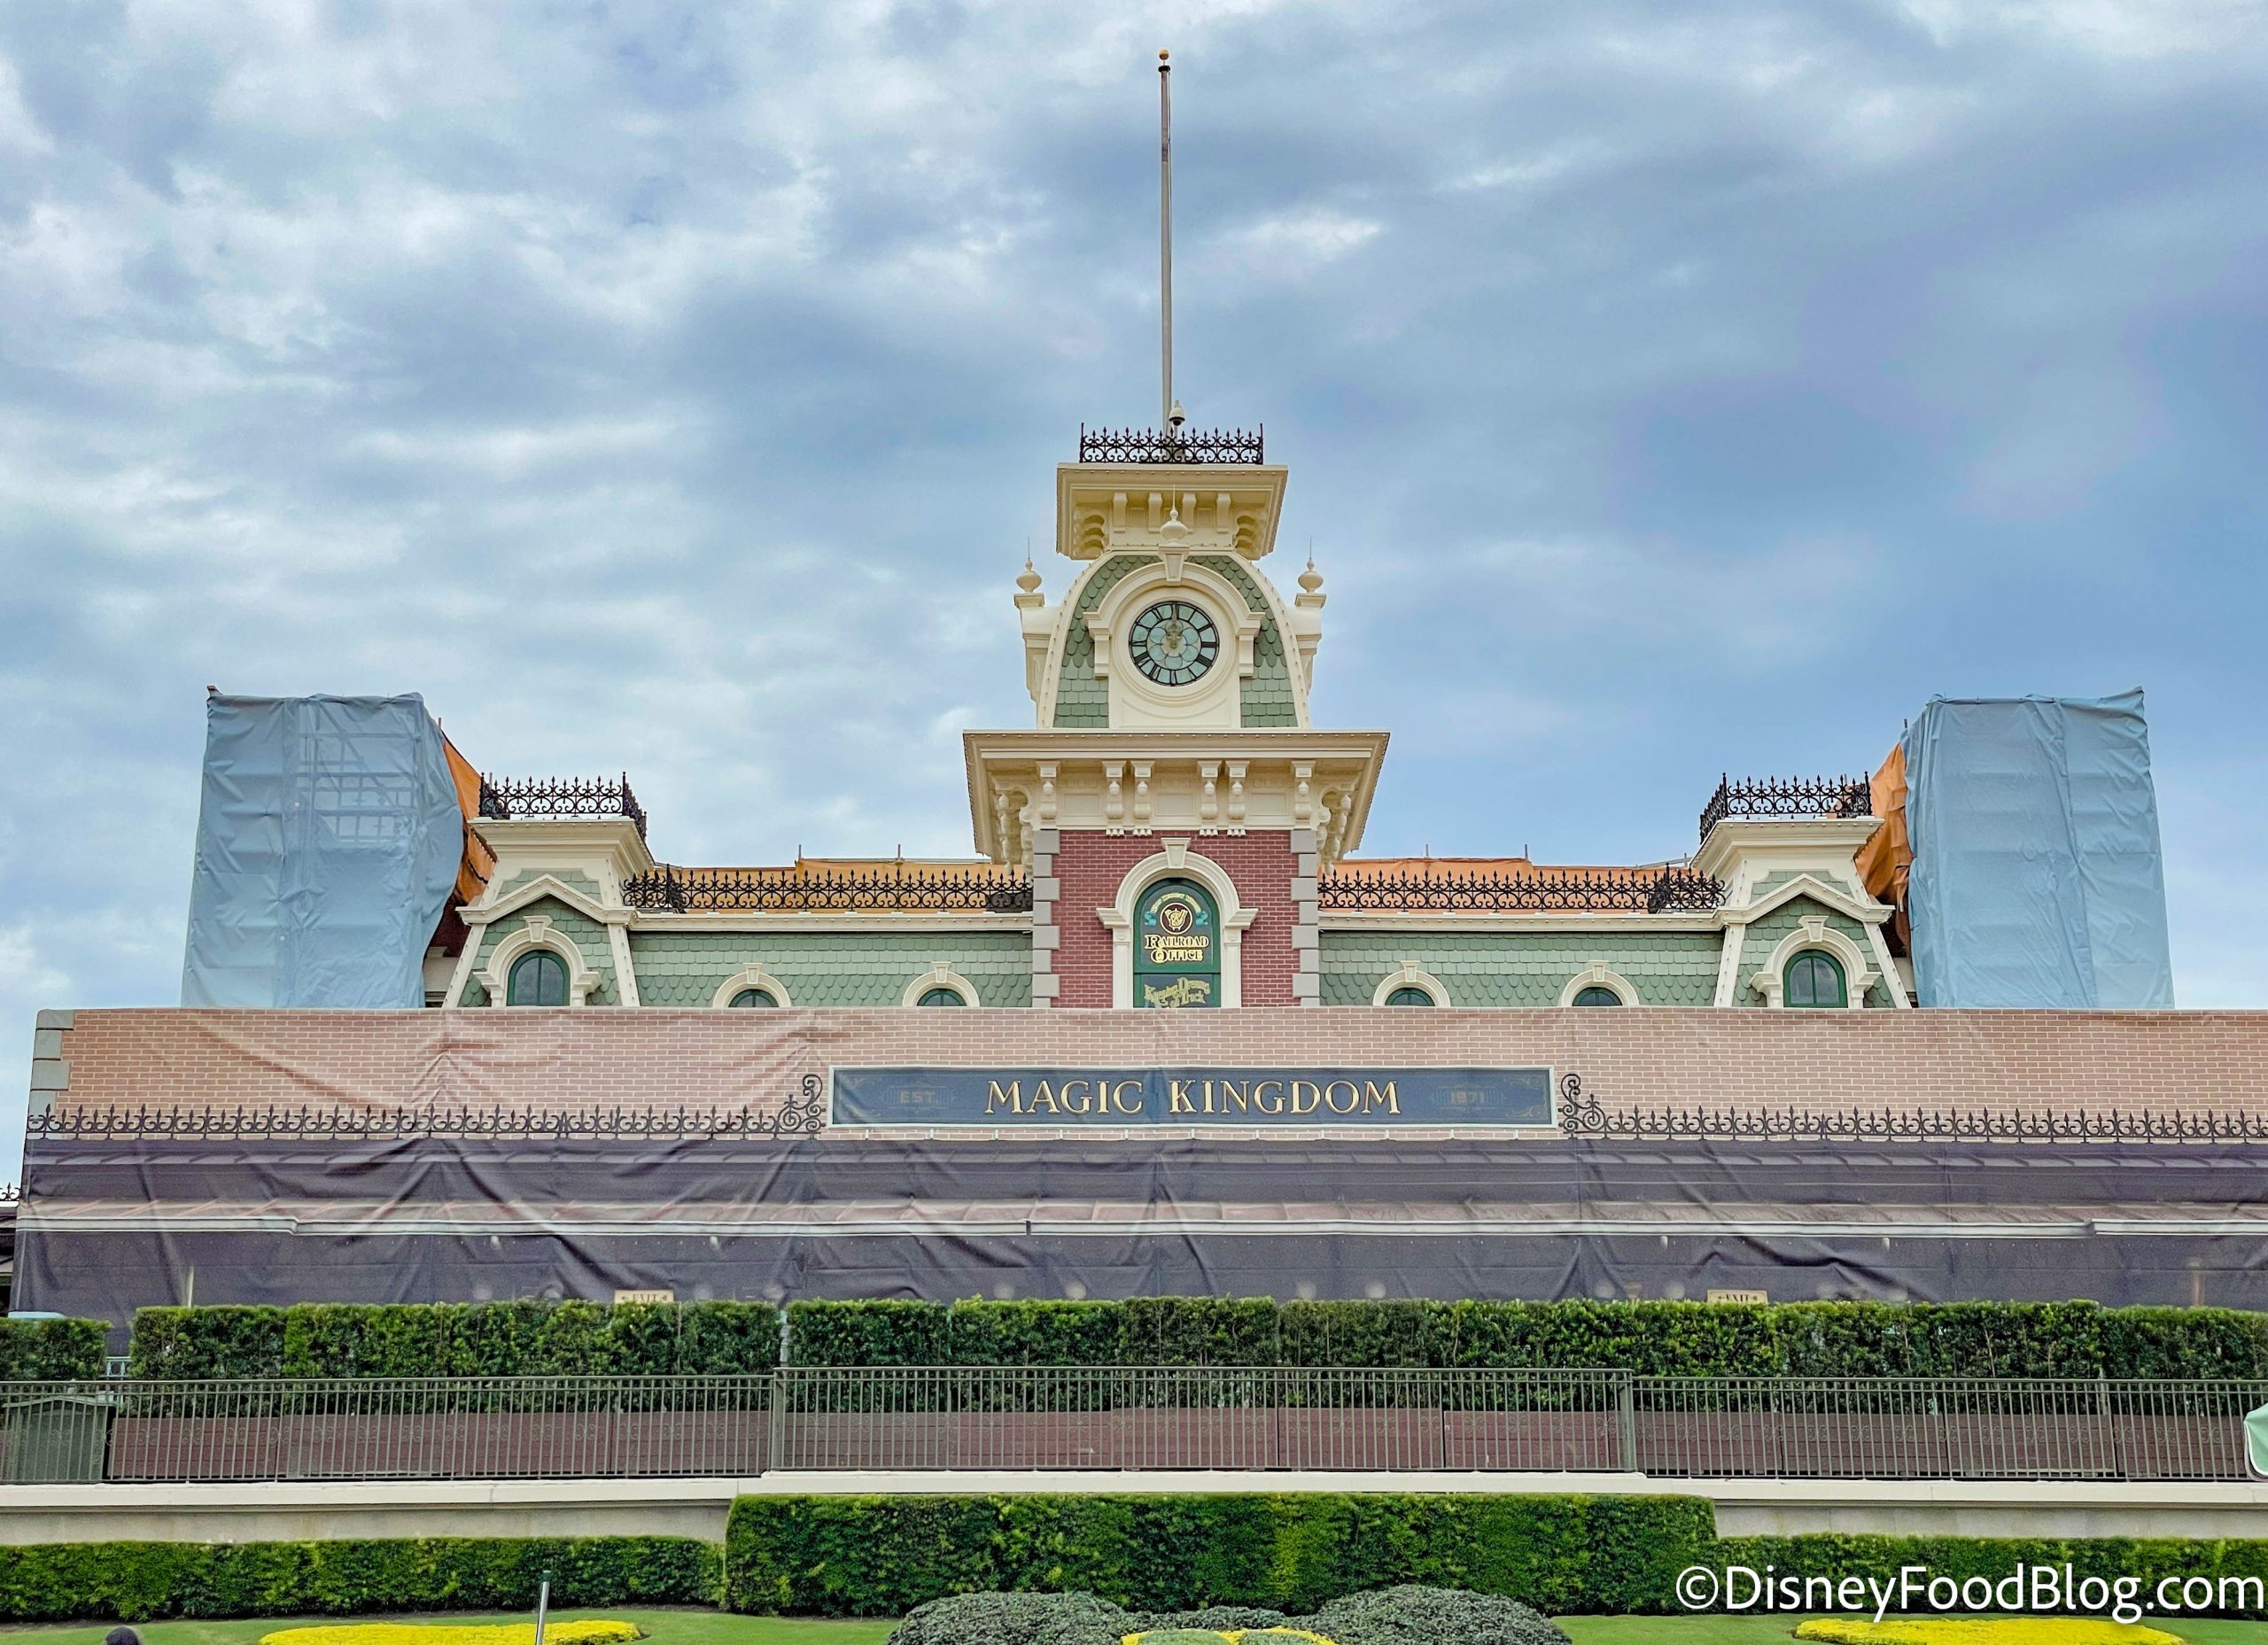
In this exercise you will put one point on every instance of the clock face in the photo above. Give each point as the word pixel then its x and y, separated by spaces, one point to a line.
pixel 1174 642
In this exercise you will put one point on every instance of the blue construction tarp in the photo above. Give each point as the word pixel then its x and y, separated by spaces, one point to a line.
pixel 328 839
pixel 2037 877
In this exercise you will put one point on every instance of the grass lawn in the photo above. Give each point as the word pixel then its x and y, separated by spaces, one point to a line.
pixel 663 1626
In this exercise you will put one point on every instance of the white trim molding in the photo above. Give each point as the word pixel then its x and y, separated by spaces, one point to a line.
pixel 1176 861
pixel 940 975
pixel 1411 974
pixel 1599 974
pixel 748 977
pixel 546 885
pixel 537 933
pixel 1814 934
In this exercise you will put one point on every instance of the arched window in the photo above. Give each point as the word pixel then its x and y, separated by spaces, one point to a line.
pixel 539 978
pixel 1409 996
pixel 752 998
pixel 941 996
pixel 1176 946
pixel 1813 981
pixel 1595 995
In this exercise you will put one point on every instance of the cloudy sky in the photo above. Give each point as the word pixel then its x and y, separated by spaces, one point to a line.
pixel 1666 389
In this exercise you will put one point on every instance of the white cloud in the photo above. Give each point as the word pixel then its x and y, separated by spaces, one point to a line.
pixel 1289 245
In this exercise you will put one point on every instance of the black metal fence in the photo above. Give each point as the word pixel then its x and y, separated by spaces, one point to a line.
pixel 929 1418
pixel 1787 796
pixel 1651 891
pixel 1231 445
pixel 574 797
pixel 677 890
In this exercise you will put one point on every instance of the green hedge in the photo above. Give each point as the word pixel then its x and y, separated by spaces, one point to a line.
pixel 1837 1555
pixel 136 1581
pixel 456 1339
pixel 52 1350
pixel 881 1555
pixel 1654 1338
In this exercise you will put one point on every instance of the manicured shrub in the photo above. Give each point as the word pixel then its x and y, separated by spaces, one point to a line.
pixel 1015 1619
pixel 136 1581
pixel 868 1333
pixel 1429 1616
pixel 52 1350
pixel 514 1338
pixel 1290 1553
pixel 1648 1338
pixel 1214 1619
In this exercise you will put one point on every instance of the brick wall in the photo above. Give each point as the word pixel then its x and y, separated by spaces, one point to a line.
pixel 2059 1061
pixel 1090 866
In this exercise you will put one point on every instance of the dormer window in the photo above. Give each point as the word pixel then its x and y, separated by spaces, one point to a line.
pixel 537 979
pixel 1813 981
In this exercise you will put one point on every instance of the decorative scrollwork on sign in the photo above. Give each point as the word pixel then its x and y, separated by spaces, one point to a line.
pixel 805 1114
pixel 1579 1111
pixel 1583 1117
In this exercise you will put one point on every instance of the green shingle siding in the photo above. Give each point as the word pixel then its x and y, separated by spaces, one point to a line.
pixel 1267 695
pixel 1081 698
pixel 587 933
pixel 1767 934
pixel 829 968
pixel 1084 700
pixel 1522 968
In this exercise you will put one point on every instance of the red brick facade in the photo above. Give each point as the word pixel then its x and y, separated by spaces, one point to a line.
pixel 2040 1061
pixel 1092 866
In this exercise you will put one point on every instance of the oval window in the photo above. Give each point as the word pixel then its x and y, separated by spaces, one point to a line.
pixel 941 996
pixel 1409 996
pixel 752 998
pixel 1597 995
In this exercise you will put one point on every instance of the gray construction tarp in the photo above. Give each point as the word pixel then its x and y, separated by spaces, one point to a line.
pixel 328 839
pixel 2037 877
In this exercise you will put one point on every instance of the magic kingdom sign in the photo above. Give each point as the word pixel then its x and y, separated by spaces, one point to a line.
pixel 1272 1098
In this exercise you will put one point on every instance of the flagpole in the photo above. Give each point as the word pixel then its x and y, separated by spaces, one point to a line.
pixel 1165 241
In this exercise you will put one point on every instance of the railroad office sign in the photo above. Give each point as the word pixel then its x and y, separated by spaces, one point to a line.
pixel 1230 1097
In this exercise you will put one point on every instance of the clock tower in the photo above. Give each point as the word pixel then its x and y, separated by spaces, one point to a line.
pixel 1173 800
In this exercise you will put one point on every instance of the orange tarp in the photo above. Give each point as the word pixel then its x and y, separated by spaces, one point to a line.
pixel 478 861
pixel 1887 858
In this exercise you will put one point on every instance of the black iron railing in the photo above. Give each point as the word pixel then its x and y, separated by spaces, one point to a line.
pixel 1787 796
pixel 1584 1117
pixel 863 889
pixel 945 1418
pixel 1478 891
pixel 509 798
pixel 1234 445
pixel 803 1115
